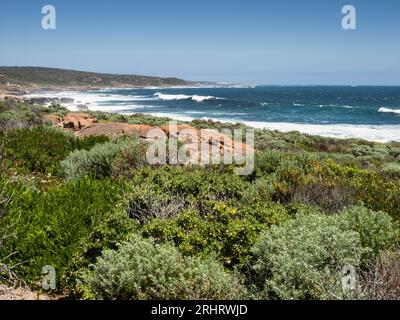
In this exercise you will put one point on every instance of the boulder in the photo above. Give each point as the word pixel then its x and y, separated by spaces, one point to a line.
pixel 78 121
pixel 54 120
pixel 173 131
pixel 113 129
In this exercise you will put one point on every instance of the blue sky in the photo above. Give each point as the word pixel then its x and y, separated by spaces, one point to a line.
pixel 261 42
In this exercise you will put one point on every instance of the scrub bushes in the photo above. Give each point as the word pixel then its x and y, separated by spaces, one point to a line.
pixel 216 229
pixel 51 227
pixel 40 149
pixel 104 160
pixel 141 269
pixel 304 257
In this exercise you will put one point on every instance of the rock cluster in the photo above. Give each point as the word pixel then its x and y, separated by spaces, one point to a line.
pixel 199 144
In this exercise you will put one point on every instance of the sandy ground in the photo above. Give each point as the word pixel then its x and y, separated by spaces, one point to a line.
pixel 7 293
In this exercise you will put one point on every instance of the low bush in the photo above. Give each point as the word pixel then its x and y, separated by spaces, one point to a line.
pixel 145 203
pixel 52 227
pixel 377 230
pixel 141 269
pixel 216 228
pixel 212 182
pixel 392 169
pixel 96 162
pixel 130 157
pixel 331 196
pixel 14 114
pixel 374 190
pixel 40 149
pixel 303 258
pixel 117 157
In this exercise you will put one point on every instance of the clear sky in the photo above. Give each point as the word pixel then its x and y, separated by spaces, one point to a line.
pixel 252 41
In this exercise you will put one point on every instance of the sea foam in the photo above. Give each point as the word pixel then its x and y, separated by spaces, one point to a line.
pixel 377 133
pixel 387 110
pixel 197 98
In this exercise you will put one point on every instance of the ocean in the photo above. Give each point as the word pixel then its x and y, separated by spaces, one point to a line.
pixel 371 113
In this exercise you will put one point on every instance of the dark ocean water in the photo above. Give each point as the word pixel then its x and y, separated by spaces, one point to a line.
pixel 341 111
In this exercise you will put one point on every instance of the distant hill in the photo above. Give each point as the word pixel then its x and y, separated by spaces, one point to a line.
pixel 28 78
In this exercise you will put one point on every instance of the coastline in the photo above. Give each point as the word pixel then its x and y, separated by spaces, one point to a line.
pixel 373 133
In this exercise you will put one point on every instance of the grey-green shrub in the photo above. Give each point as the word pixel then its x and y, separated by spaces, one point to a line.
pixel 103 160
pixel 131 156
pixel 141 269
pixel 95 162
pixel 261 188
pixel 303 258
pixel 377 230
pixel 392 168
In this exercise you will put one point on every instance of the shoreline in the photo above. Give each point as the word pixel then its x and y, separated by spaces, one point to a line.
pixel 373 133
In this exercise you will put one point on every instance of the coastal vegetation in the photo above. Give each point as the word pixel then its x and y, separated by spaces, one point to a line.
pixel 115 227
pixel 35 77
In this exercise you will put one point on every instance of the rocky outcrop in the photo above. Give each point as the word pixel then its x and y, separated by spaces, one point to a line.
pixel 78 121
pixel 114 129
pixel 56 121
pixel 200 145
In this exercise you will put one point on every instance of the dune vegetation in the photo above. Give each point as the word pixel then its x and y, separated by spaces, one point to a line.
pixel 115 227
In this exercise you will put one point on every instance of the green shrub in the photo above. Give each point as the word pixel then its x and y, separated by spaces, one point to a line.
pixel 146 203
pixel 376 230
pixel 268 161
pixel 53 227
pixel 216 228
pixel 392 168
pixel 374 190
pixel 141 269
pixel 36 150
pixel 56 109
pixel 129 158
pixel 96 162
pixel 303 258
pixel 40 149
pixel 260 189
pixel 14 114
pixel 211 182
pixel 331 196
pixel 117 158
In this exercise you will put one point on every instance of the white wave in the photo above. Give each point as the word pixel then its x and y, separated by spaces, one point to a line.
pixel 229 113
pixel 387 110
pixel 96 101
pixel 335 105
pixel 377 133
pixel 173 116
pixel 195 97
pixel 193 112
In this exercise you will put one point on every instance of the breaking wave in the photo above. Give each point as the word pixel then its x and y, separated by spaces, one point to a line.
pixel 387 110
pixel 195 97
